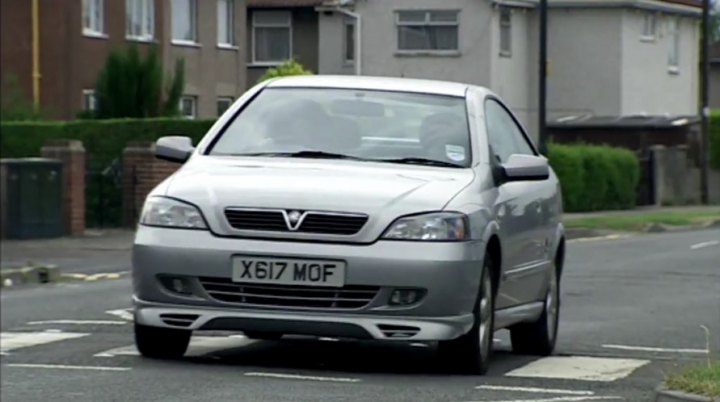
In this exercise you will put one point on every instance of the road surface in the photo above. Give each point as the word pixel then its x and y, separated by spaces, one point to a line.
pixel 632 309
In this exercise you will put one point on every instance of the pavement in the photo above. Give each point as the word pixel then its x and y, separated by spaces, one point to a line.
pixel 633 307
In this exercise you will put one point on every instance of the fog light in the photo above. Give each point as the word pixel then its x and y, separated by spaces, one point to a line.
pixel 404 297
pixel 177 284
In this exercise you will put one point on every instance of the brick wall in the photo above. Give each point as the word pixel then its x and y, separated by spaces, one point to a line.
pixel 141 173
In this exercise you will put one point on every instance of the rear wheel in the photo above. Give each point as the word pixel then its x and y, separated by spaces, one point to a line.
pixel 161 343
pixel 471 352
pixel 539 337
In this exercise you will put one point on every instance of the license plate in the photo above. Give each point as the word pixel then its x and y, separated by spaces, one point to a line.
pixel 288 271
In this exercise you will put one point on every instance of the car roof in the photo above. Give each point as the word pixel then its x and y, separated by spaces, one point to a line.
pixel 413 85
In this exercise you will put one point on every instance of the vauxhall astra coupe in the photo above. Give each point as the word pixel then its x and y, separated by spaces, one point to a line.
pixel 386 209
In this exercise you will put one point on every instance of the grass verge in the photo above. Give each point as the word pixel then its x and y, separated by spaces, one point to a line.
pixel 702 379
pixel 627 221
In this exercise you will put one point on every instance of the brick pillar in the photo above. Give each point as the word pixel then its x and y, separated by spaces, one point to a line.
pixel 141 173
pixel 72 155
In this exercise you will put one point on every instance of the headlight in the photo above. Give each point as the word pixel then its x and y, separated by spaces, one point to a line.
pixel 441 226
pixel 167 212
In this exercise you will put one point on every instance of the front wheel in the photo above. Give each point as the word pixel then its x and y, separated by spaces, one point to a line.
pixel 538 338
pixel 471 352
pixel 161 343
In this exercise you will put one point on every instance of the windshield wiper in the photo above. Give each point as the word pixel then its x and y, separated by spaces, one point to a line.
pixel 420 161
pixel 303 154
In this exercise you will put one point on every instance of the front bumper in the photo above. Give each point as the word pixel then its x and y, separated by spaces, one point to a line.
pixel 449 272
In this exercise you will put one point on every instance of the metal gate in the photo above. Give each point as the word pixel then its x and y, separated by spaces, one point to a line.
pixel 103 194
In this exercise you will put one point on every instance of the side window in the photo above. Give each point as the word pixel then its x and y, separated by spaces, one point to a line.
pixel 504 135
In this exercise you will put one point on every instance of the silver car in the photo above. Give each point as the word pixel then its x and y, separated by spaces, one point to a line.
pixel 354 207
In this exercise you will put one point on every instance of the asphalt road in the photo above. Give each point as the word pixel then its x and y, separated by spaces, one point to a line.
pixel 632 310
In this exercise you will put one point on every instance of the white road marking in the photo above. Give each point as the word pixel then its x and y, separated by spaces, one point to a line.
pixel 16 340
pixel 65 367
pixel 78 322
pixel 579 368
pixel 302 377
pixel 659 350
pixel 124 313
pixel 531 389
pixel 565 399
pixel 199 346
pixel 704 244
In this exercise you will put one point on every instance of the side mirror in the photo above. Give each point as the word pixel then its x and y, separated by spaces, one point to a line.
pixel 174 149
pixel 525 168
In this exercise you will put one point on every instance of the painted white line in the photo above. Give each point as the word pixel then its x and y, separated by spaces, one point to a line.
pixel 124 313
pixel 78 322
pixel 16 340
pixel 121 351
pixel 65 367
pixel 302 377
pixel 704 244
pixel 579 368
pixel 531 389
pixel 659 350
pixel 565 399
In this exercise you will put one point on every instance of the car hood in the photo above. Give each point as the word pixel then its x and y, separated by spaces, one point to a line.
pixel 380 190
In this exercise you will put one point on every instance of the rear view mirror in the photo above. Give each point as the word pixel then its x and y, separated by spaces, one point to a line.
pixel 525 168
pixel 357 108
pixel 174 149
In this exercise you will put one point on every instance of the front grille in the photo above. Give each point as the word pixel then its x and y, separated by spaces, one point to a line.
pixel 314 222
pixel 347 297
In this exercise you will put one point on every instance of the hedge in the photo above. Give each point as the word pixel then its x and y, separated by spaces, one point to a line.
pixel 104 141
pixel 594 177
pixel 715 139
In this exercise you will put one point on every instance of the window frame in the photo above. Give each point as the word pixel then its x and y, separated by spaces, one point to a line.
pixel 652 36
pixel 228 99
pixel 89 100
pixel 193 24
pixel 427 23
pixel 505 27
pixel 349 23
pixel 490 99
pixel 147 33
pixel 93 31
pixel 229 41
pixel 194 107
pixel 255 25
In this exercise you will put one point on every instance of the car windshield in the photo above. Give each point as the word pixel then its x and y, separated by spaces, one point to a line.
pixel 356 124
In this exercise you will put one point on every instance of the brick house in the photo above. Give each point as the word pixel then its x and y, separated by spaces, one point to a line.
pixel 76 36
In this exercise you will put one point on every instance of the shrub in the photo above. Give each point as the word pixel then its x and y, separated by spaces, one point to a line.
pixel 595 177
pixel 289 67
pixel 715 140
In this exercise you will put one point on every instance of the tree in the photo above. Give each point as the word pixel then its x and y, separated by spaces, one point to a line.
pixel 129 86
pixel 289 67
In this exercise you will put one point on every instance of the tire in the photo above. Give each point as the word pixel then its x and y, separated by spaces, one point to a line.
pixel 265 336
pixel 161 343
pixel 471 353
pixel 538 338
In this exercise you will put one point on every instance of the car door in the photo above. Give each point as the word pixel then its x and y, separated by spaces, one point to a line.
pixel 518 211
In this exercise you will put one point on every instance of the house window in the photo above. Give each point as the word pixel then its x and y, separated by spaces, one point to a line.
pixel 93 17
pixel 140 19
pixel 89 100
pixel 272 36
pixel 184 21
pixel 225 23
pixel 428 30
pixel 188 106
pixel 505 32
pixel 649 27
pixel 674 45
pixel 349 41
pixel 223 104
